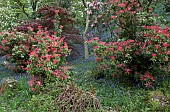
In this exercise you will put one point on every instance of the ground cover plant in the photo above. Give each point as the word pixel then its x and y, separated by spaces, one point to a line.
pixel 126 72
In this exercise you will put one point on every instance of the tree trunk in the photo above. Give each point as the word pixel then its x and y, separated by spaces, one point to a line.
pixel 86 51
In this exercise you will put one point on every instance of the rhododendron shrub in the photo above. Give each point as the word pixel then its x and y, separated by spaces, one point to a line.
pixel 140 61
pixel 140 52
pixel 16 46
pixel 39 53
pixel 48 57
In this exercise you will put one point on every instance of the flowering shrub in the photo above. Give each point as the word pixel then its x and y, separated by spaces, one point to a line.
pixel 48 57
pixel 16 45
pixel 41 54
pixel 141 50
pixel 139 60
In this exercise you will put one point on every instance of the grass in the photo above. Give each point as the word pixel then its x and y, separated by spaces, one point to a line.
pixel 112 95
pixel 15 98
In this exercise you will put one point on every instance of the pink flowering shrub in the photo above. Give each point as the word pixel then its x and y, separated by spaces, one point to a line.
pixel 140 52
pixel 48 57
pixel 40 54
pixel 16 46
pixel 141 61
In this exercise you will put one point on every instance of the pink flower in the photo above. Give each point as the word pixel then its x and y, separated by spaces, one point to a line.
pixel 61 27
pixel 113 75
pixel 168 52
pixel 113 17
pixel 65 76
pixel 39 27
pixel 123 4
pixel 3 41
pixel 165 44
pixel 30 83
pixel 153 55
pixel 57 11
pixel 127 70
pixel 148 84
pixel 95 47
pixel 119 48
pixel 157 46
pixel 38 83
pixel 53 21
pixel 55 61
pixel 32 89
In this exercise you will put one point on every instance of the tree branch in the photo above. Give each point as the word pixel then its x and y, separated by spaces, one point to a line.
pixel 22 7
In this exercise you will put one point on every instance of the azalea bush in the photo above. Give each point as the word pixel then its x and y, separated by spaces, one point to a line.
pixel 48 57
pixel 141 61
pixel 140 52
pixel 16 46
pixel 39 50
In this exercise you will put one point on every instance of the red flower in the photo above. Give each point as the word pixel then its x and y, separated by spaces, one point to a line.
pixel 98 59
pixel 165 44
pixel 113 17
pixel 39 27
pixel 95 47
pixel 57 11
pixel 153 55
pixel 61 27
pixel 55 61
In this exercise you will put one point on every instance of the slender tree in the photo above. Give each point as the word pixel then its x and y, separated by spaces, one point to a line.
pixel 86 52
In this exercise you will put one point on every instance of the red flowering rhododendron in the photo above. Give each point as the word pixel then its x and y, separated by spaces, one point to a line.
pixel 40 54
pixel 48 58
pixel 140 46
pixel 134 57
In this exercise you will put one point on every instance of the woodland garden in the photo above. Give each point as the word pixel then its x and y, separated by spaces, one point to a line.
pixel 84 56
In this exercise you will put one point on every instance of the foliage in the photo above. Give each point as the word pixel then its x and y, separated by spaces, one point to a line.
pixel 45 100
pixel 166 4
pixel 158 100
pixel 7 16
